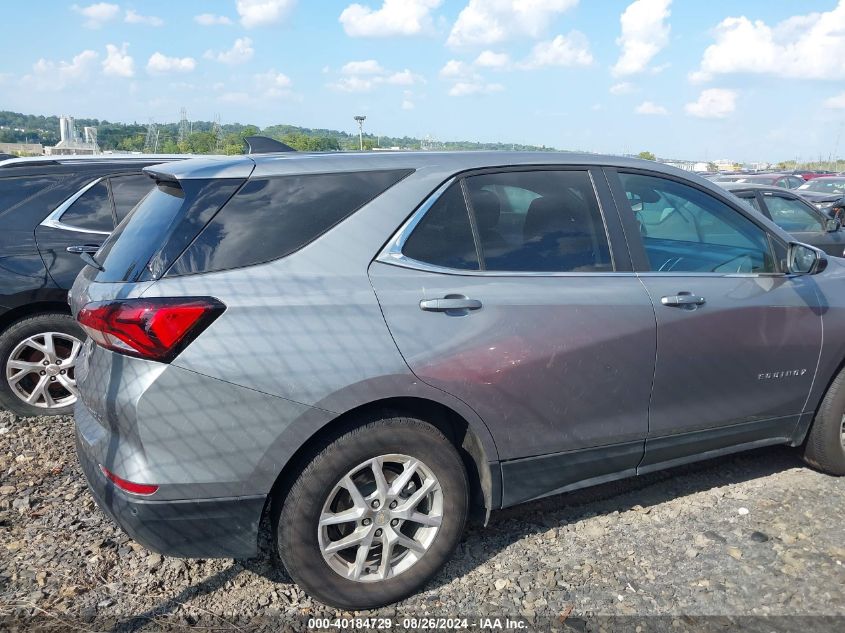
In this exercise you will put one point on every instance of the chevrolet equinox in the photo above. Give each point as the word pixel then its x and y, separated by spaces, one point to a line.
pixel 366 346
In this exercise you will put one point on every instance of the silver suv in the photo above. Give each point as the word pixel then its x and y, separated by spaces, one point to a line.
pixel 366 346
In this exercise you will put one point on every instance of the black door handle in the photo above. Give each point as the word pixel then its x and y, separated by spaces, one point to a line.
pixel 449 304
pixel 83 248
pixel 683 300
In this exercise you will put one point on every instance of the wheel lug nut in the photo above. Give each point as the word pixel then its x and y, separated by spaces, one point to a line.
pixel 58 361
pixel 46 362
pixel 62 372
pixel 367 521
pixel 394 522
pixel 42 372
pixel 52 379
pixel 393 504
pixel 375 503
pixel 378 532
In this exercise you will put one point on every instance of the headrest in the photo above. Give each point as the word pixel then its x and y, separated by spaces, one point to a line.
pixel 487 208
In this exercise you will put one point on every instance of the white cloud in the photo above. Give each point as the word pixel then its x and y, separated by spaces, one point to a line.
pixel 263 12
pixel 395 17
pixel 622 88
pixel 467 88
pixel 714 103
pixel 241 98
pixel 133 17
pixel 210 19
pixel 160 64
pixel 491 59
pixel 570 50
pixel 241 52
pixel 645 32
pixel 364 76
pixel 117 62
pixel 97 14
pixel 366 67
pixel 836 102
pixel 810 46
pixel 273 84
pixel 649 107
pixel 50 75
pixel 491 21
pixel 455 68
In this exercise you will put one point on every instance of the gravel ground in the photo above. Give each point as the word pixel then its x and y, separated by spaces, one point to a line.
pixel 751 535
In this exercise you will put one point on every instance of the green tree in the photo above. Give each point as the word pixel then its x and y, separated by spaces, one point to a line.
pixel 646 156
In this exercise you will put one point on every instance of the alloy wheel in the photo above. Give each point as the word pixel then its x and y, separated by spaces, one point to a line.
pixel 380 518
pixel 40 370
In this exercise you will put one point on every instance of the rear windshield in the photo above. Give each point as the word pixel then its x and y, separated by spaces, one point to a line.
pixel 145 244
pixel 272 217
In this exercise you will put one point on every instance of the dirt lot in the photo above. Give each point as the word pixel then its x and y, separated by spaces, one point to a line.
pixel 752 535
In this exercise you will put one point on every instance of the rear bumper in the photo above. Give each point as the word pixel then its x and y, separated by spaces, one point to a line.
pixel 195 528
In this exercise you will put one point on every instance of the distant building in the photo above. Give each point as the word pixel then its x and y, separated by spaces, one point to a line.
pixel 723 164
pixel 22 149
pixel 71 142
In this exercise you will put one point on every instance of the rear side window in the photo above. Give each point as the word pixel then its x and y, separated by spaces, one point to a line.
pixel 269 218
pixel 128 191
pixel 92 210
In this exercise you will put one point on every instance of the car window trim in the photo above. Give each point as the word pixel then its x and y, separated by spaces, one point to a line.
pixel 54 219
pixel 392 253
pixel 638 253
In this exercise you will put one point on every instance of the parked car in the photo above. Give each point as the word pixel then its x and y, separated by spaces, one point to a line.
pixel 827 193
pixel 365 346
pixel 46 206
pixel 810 175
pixel 794 215
pixel 787 181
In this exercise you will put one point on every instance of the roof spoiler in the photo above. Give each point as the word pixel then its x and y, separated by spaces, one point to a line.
pixel 265 145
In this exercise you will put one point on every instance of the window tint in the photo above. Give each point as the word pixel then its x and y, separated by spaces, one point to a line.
pixel 127 191
pixel 443 237
pixel 539 221
pixel 687 230
pixel 792 215
pixel 14 191
pixel 91 211
pixel 750 199
pixel 272 217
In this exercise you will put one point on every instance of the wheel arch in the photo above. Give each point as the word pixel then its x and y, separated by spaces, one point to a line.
pixel 482 472
pixel 31 309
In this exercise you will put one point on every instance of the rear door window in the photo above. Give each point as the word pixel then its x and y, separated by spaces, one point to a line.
pixel 128 191
pixel 539 221
pixel 92 211
pixel 793 215
pixel 269 218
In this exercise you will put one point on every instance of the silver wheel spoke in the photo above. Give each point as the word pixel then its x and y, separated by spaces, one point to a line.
pixel 378 475
pixel 48 348
pixel 352 489
pixel 70 361
pixel 387 545
pixel 402 480
pixel 425 519
pixel 411 502
pixel 39 390
pixel 347 541
pixel 68 384
pixel 347 516
pixel 409 543
pixel 24 364
pixel 361 555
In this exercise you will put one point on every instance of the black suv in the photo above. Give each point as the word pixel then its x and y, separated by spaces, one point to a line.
pixel 48 205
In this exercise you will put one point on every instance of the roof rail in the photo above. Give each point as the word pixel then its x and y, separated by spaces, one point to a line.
pixel 265 145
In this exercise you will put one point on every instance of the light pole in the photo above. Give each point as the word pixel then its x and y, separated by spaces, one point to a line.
pixel 360 118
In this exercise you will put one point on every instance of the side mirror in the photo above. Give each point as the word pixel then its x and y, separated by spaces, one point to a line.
pixel 832 225
pixel 805 260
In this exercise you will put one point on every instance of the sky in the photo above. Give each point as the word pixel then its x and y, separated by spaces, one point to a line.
pixel 686 79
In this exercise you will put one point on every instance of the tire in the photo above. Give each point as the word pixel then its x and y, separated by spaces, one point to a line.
pixel 299 533
pixel 824 446
pixel 57 386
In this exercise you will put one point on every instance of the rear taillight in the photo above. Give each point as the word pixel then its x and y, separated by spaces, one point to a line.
pixel 156 329
pixel 128 486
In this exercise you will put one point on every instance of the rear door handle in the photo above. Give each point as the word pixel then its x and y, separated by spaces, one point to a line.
pixel 448 304
pixel 83 248
pixel 682 299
